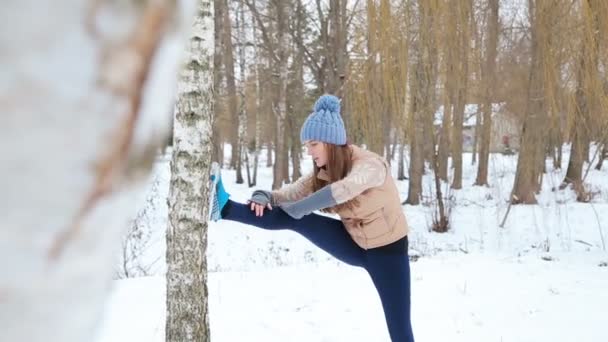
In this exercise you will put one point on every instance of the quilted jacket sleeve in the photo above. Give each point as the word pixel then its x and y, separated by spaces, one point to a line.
pixel 365 174
pixel 294 191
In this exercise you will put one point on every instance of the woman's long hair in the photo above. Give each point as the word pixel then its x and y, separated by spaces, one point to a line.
pixel 339 164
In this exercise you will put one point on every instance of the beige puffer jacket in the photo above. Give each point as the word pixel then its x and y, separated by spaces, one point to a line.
pixel 378 219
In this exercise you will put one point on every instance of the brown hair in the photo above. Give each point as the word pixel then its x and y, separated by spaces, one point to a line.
pixel 339 164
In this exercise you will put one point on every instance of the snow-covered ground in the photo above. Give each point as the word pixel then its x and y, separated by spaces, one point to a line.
pixel 542 277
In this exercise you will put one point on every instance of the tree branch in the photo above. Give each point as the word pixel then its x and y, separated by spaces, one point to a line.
pixel 265 36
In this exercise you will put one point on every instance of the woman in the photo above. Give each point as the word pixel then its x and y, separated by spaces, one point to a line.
pixel 355 184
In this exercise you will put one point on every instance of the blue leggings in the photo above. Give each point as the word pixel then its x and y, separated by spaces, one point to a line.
pixel 388 265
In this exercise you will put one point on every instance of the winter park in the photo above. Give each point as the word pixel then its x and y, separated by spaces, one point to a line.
pixel 304 170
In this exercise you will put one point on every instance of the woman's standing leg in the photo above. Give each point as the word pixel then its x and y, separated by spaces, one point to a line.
pixel 325 232
pixel 389 268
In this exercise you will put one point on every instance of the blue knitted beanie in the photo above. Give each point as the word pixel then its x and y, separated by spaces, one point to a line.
pixel 325 123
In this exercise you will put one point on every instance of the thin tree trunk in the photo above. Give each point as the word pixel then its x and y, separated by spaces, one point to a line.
pixel 393 149
pixel 258 122
pixel 488 78
pixel 286 151
pixel 423 78
pixel 465 13
pixel 556 150
pixel 375 132
pixel 218 18
pixel 587 67
pixel 428 38
pixel 574 173
pixel 529 163
pixel 476 136
pixel 242 117
pixel 281 110
pixel 269 154
pixel 233 113
pixel 296 157
pixel 451 51
pixel 416 152
pixel 478 68
pixel 442 157
pixel 332 46
pixel 603 156
pixel 401 165
pixel 298 93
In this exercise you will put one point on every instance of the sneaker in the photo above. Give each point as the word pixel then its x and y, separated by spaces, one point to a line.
pixel 218 197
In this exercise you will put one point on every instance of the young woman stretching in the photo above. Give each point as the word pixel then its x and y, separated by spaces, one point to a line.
pixel 355 184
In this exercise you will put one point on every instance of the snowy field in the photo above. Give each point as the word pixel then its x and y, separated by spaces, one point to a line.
pixel 542 277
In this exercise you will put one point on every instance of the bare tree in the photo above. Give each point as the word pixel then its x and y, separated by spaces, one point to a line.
pixel 449 44
pixel 531 156
pixel 139 238
pixel 281 161
pixel 233 113
pixel 186 301
pixel 278 50
pixel 588 90
pixel 218 76
pixel 464 10
pixel 488 78
pixel 258 121
pixel 422 82
pixel 243 117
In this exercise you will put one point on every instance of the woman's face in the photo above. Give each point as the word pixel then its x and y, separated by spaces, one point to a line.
pixel 318 151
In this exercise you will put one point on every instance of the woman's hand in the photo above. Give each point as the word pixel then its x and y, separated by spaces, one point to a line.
pixel 259 208
pixel 259 201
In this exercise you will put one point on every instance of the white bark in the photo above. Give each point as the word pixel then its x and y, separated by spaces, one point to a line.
pixel 85 90
pixel 187 308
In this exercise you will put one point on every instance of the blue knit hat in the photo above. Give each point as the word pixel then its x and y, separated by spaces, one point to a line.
pixel 325 123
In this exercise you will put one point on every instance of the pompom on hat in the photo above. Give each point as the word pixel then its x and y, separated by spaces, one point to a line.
pixel 325 123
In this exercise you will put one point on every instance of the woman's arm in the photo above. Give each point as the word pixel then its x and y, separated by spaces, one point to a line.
pixel 294 191
pixel 364 175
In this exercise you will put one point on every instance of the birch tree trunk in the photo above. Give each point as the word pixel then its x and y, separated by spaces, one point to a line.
pixel 86 96
pixel 187 308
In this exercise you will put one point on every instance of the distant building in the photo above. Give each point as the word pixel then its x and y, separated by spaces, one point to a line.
pixel 505 133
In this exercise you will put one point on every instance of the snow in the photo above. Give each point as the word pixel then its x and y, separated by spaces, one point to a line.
pixel 540 278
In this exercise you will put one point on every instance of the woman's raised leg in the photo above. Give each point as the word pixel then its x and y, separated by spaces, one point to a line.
pixel 325 232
